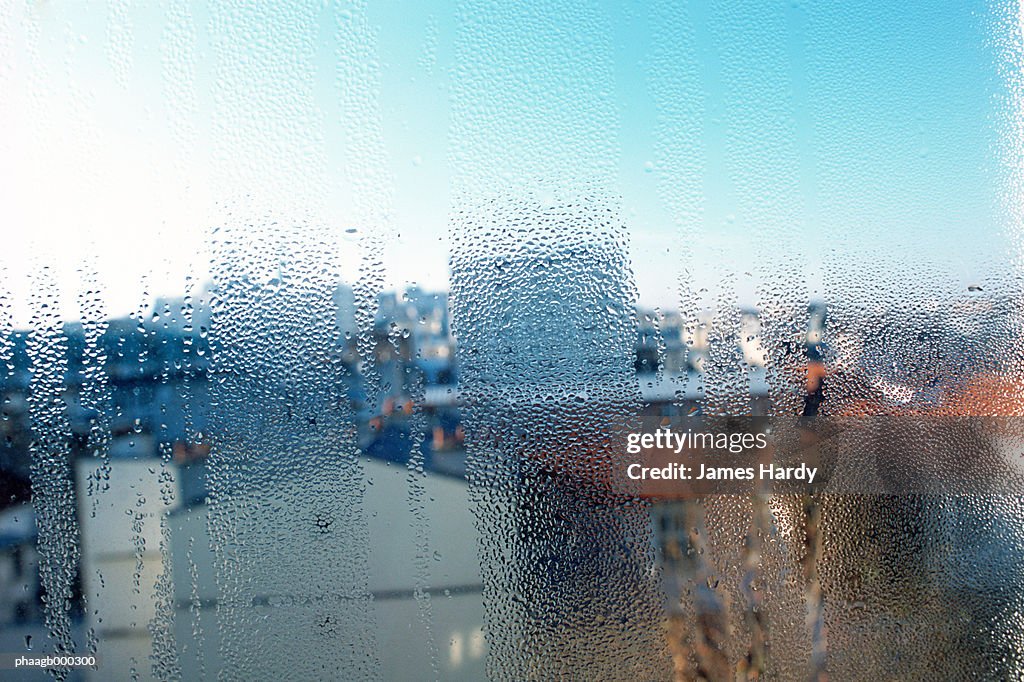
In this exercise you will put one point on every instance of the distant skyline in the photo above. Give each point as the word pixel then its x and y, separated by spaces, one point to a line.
pixel 810 149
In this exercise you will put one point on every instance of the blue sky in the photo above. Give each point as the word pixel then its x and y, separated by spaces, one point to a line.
pixel 754 146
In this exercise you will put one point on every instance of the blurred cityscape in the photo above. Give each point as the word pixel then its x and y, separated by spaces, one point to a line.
pixel 156 371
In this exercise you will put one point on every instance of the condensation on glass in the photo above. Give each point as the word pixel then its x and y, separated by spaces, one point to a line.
pixel 322 325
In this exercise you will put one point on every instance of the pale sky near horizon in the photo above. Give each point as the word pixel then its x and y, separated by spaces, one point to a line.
pixel 743 146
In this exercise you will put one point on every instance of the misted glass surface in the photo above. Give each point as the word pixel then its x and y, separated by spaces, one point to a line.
pixel 324 328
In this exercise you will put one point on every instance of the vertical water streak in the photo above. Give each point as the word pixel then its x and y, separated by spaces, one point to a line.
pixel 53 494
pixel 543 310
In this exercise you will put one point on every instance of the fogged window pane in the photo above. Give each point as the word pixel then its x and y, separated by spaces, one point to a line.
pixel 435 341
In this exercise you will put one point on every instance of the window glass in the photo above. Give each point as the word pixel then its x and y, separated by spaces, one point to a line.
pixel 374 341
